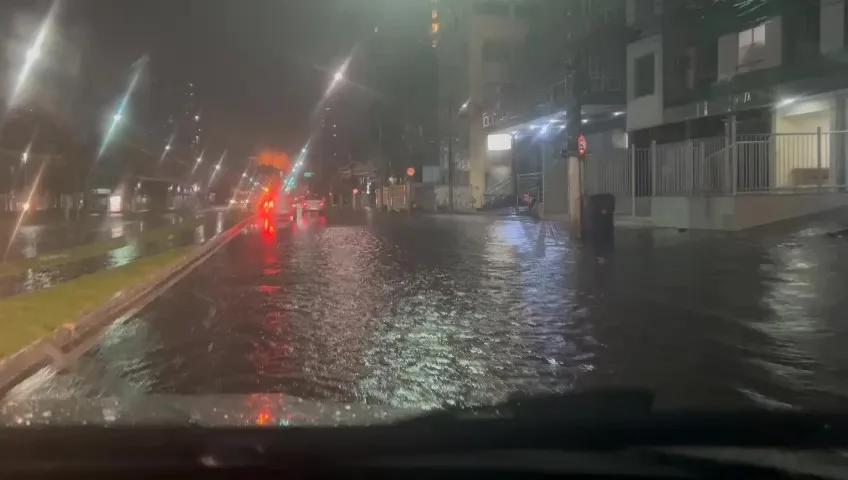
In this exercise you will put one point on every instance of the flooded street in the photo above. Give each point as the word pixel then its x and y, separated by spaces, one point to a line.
pixel 419 312
pixel 209 224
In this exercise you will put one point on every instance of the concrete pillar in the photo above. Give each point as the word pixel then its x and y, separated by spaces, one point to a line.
pixel 555 183
pixel 575 192
pixel 838 143
pixel 477 166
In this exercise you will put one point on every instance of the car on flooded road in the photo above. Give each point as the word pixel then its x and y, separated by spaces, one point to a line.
pixel 313 204
pixel 277 207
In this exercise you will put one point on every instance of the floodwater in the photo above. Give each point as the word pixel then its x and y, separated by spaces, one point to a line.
pixel 422 312
pixel 37 279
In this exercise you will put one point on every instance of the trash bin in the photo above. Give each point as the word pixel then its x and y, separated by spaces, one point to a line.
pixel 598 212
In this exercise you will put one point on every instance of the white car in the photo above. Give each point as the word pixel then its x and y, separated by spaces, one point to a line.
pixel 313 204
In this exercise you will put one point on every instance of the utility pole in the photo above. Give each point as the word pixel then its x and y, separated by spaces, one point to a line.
pixel 450 155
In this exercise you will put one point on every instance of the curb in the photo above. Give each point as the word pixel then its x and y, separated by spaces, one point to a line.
pixel 70 341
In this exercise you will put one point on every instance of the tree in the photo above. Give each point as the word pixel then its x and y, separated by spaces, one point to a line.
pixel 47 143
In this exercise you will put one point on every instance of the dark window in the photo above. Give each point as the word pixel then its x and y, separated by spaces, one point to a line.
pixel 491 7
pixel 496 52
pixel 644 76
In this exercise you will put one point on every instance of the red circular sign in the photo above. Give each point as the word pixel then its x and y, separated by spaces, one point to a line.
pixel 410 171
pixel 582 145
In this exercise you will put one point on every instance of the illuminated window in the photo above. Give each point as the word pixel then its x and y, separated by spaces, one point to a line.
pixel 435 28
pixel 751 43
pixel 435 15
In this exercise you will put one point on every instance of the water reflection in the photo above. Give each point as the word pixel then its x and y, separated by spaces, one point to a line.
pixel 422 312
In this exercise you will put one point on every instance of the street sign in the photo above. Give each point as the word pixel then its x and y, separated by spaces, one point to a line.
pixel 582 145
pixel 410 172
pixel 307 174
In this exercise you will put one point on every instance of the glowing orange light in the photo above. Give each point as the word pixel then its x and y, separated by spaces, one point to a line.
pixel 263 418
pixel 277 160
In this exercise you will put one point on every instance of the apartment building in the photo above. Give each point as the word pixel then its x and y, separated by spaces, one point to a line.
pixel 475 42
pixel 735 114
pixel 777 70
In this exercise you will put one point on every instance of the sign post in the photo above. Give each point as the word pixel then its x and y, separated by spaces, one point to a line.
pixel 582 146
pixel 410 172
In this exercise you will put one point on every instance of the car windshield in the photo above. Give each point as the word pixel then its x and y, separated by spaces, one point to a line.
pixel 517 198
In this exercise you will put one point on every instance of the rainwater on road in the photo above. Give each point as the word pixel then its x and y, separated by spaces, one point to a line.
pixel 211 224
pixel 416 312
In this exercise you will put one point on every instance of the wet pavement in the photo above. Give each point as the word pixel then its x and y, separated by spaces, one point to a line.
pixel 418 312
pixel 211 224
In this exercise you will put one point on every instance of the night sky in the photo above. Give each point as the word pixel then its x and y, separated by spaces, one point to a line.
pixel 259 66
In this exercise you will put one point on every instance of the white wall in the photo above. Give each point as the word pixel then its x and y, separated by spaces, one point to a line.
pixel 739 212
pixel 796 146
pixel 645 111
pixel 832 36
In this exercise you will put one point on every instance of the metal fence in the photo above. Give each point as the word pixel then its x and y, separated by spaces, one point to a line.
pixel 767 163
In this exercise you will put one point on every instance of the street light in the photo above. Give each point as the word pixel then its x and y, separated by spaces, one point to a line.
pixel 24 157
pixel 199 159
pixel 33 53
pixel 217 167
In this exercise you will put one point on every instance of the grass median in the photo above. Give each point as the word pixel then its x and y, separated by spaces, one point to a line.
pixel 94 249
pixel 27 317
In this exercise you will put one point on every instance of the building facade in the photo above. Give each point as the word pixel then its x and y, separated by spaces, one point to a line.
pixel 777 70
pixel 516 68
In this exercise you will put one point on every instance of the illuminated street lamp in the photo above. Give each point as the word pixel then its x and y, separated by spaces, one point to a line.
pixel 33 53
pixel 217 167
pixel 199 159
pixel 24 157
